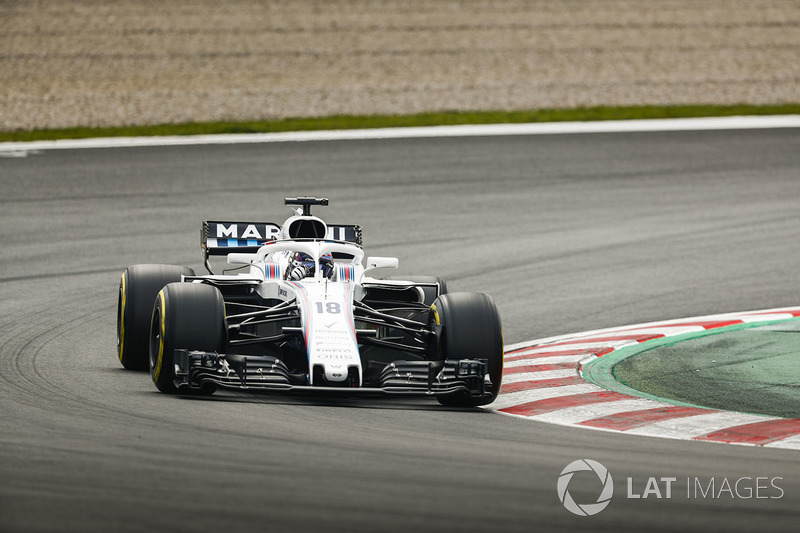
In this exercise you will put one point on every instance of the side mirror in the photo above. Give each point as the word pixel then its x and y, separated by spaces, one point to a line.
pixel 241 258
pixel 374 263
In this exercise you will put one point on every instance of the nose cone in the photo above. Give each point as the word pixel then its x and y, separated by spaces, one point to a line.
pixel 332 343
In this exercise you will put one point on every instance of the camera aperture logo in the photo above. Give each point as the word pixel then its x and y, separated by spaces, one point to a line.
pixel 586 509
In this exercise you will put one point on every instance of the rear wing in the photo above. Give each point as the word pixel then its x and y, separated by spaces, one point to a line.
pixel 222 238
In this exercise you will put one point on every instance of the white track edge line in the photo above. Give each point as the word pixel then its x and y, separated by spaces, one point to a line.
pixel 635 327
pixel 544 128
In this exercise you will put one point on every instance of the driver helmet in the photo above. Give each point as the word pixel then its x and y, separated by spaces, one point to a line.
pixel 326 264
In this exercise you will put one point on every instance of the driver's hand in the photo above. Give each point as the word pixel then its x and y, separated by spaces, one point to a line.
pixel 298 272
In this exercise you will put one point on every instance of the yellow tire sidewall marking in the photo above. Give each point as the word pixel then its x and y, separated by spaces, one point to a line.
pixel 502 355
pixel 157 372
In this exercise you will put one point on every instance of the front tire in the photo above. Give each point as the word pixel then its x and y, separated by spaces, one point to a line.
pixel 470 328
pixel 137 292
pixel 187 316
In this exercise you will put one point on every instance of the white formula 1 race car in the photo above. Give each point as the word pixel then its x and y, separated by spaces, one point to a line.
pixel 306 312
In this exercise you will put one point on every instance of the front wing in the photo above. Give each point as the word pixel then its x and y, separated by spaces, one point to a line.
pixel 195 370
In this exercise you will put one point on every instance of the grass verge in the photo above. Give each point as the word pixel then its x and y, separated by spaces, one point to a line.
pixel 395 121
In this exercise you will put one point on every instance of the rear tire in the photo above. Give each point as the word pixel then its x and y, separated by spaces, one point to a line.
pixel 137 292
pixel 470 328
pixel 187 316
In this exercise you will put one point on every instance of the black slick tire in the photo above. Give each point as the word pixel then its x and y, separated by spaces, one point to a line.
pixel 187 316
pixel 137 292
pixel 470 329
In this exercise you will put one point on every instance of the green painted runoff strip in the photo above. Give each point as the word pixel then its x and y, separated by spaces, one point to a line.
pixel 345 122
pixel 751 368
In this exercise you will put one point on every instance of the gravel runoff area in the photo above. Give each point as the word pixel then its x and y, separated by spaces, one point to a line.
pixel 133 62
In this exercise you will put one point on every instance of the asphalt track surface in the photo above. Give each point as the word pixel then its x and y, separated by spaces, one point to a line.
pixel 568 233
